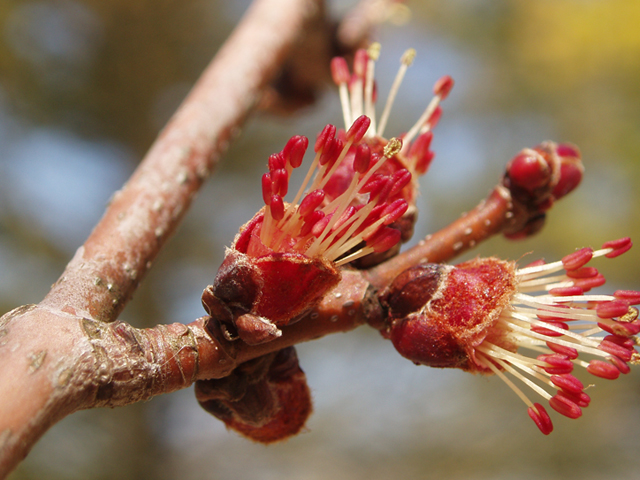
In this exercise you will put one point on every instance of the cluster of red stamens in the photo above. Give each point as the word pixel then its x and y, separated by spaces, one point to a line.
pixel 480 316
pixel 349 200
pixel 563 326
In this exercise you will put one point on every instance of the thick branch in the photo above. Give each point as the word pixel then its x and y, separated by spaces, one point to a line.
pixel 488 218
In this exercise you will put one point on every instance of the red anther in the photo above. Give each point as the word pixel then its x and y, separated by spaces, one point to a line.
pixel 568 352
pixel 565 406
pixel 327 134
pixel 577 259
pixel 424 162
pixel 362 158
pixel 541 418
pixel 632 297
pixel 621 329
pixel 580 399
pixel 293 152
pixel 583 272
pixel 603 370
pixel 394 211
pixel 384 239
pixel 330 152
pixel 400 180
pixel 346 215
pixel 567 150
pixel 374 184
pixel 619 246
pixel 566 291
pixel 620 352
pixel 547 331
pixel 587 284
pixel 614 308
pixel 382 194
pixel 360 63
pixel 375 158
pixel 339 70
pixel 435 117
pixel 358 128
pixel 571 172
pixel 443 86
pixel 310 202
pixel 558 364
pixel 536 263
pixel 280 181
pixel 320 225
pixel 421 145
pixel 373 217
pixel 567 382
pixel 625 342
pixel 277 207
pixel 620 364
pixel 276 161
pixel 529 170
pixel 309 222
pixel 266 188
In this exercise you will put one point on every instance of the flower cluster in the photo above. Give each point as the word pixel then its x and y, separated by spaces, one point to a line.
pixel 481 316
pixel 356 202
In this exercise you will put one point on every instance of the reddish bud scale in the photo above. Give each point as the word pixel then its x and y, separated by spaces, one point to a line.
pixel 454 318
pixel 254 279
pixel 266 399
pixel 571 170
pixel 529 170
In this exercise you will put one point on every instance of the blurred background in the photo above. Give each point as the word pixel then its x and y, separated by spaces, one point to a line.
pixel 86 85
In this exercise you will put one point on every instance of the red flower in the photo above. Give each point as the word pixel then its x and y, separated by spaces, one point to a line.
pixel 357 200
pixel 480 316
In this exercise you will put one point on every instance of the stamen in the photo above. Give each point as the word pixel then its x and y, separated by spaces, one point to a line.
pixel 405 62
pixel 373 53
pixel 341 75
